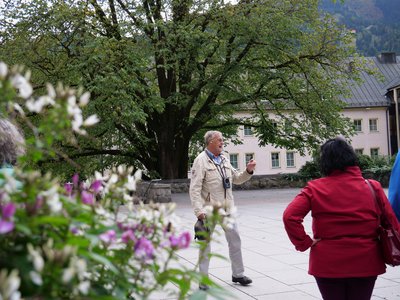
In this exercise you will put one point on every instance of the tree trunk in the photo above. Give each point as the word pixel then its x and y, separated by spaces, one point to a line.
pixel 173 157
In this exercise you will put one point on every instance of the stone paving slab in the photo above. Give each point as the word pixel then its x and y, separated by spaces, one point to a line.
pixel 279 272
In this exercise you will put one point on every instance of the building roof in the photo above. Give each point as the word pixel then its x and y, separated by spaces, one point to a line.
pixel 373 90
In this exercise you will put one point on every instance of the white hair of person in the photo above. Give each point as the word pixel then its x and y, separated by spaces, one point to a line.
pixel 12 143
pixel 210 135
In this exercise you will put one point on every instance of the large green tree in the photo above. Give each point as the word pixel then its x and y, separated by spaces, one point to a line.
pixel 161 72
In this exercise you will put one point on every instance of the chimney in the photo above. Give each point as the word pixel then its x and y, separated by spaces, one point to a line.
pixel 387 58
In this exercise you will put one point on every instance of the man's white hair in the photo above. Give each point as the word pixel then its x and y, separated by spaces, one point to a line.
pixel 210 135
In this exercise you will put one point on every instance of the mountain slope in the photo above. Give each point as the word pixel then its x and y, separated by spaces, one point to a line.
pixel 376 23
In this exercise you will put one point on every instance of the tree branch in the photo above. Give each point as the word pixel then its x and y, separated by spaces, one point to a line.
pixel 112 31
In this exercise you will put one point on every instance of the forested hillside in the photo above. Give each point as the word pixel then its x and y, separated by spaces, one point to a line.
pixel 376 23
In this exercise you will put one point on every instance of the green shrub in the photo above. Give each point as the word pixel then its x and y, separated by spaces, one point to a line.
pixel 72 241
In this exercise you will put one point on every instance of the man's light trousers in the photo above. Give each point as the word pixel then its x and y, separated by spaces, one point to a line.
pixel 235 253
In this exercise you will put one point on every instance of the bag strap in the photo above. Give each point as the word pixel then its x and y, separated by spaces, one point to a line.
pixel 377 204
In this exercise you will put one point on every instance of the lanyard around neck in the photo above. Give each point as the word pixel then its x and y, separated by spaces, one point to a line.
pixel 220 168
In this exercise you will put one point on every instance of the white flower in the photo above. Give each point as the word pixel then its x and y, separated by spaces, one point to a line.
pixel 209 210
pixel 77 122
pixel 228 222
pixel 127 198
pixel 138 175
pixel 37 106
pixel 156 214
pixel 121 169
pixel 72 101
pixel 113 179
pixel 73 110
pixel 53 199
pixel 20 83
pixel 51 91
pixel 131 184
pixel 36 258
pixel 100 211
pixel 19 109
pixel 28 75
pixel 143 214
pixel 15 296
pixel 80 265
pixel 13 281
pixel 222 212
pixel 84 287
pixel 9 285
pixel 36 278
pixel 84 99
pixel 68 274
pixel 3 70
pixel 68 250
pixel 11 184
pixel 93 119
pixel 99 176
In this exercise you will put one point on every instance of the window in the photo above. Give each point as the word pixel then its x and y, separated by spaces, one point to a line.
pixel 373 125
pixel 275 160
pixel 374 152
pixel 290 159
pixel 248 157
pixel 248 131
pixel 357 124
pixel 288 126
pixel 233 158
pixel 359 151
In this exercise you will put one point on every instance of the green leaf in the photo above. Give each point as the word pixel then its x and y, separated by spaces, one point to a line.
pixel 103 260
pixel 23 228
pixel 53 220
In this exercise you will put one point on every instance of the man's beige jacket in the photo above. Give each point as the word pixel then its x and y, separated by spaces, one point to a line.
pixel 206 186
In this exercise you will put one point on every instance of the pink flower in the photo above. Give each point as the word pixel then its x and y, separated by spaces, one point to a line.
pixel 128 236
pixel 184 240
pixel 181 242
pixel 174 241
pixel 96 186
pixel 6 227
pixel 144 248
pixel 87 198
pixel 108 236
pixel 68 188
pixel 75 179
pixel 8 210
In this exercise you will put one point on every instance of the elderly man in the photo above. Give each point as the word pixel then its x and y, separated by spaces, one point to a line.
pixel 211 184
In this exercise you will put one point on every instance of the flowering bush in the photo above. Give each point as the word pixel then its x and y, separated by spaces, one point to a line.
pixel 75 240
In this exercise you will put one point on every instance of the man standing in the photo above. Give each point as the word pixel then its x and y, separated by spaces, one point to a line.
pixel 211 184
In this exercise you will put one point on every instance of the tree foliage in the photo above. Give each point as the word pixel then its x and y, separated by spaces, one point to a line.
pixel 186 67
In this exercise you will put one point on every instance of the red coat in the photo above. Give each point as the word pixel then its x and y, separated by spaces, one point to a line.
pixel 344 217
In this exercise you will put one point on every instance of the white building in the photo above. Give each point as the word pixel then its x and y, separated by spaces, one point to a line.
pixel 373 107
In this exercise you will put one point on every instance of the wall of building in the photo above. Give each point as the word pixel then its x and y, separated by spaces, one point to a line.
pixel 365 140
pixel 369 139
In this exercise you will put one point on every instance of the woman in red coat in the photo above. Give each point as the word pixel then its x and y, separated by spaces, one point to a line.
pixel 345 256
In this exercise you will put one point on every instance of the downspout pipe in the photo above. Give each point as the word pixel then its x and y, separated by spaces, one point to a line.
pixel 388 133
pixel 396 103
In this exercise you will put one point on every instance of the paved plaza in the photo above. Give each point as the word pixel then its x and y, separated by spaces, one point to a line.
pixel 279 272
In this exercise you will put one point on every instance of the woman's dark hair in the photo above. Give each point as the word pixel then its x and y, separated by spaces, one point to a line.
pixel 337 154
